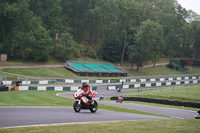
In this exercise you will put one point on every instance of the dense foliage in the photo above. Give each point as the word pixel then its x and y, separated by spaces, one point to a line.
pixel 114 30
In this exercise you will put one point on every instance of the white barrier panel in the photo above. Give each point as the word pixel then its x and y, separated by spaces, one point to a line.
pixel 43 82
pixel 7 82
pixel 186 77
pixel 58 88
pixel 178 83
pixel 168 83
pixel 136 85
pixel 158 84
pixel 148 85
pixel 42 88
pixel 23 88
pixel 162 79
pixel 178 78
pixel 193 77
pixel 133 80
pixel 195 81
pixel 152 79
pixel 69 81
pixel 26 82
pixel 170 79
pixel 187 82
pixel 122 80
pixel 111 88
pixel 143 80
pixel 99 81
pixel 125 86
pixel 74 88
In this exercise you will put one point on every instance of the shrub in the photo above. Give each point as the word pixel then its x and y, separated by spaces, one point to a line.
pixel 170 65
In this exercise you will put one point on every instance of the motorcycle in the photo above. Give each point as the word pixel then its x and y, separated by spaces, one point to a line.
pixel 81 102
pixel 120 100
pixel 197 116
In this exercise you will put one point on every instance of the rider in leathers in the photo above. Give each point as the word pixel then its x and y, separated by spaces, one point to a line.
pixel 87 92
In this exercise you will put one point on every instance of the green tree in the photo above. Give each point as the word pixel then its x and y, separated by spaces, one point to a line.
pixel 128 16
pixel 149 40
pixel 65 48
pixel 136 56
pixel 152 37
pixel 27 38
pixel 196 39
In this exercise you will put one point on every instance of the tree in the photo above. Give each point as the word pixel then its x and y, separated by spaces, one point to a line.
pixel 27 37
pixel 128 16
pixel 149 41
pixel 111 48
pixel 65 47
pixel 196 39
pixel 136 56
pixel 50 13
pixel 152 36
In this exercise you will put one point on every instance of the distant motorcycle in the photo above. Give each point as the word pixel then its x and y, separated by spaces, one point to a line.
pixel 81 102
pixel 119 89
pixel 120 99
pixel 197 116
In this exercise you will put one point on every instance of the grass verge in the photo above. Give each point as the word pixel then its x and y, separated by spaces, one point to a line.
pixel 143 126
pixel 49 98
pixel 64 73
pixel 184 94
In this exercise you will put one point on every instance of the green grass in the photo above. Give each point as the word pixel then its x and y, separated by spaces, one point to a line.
pixel 49 98
pixel 42 72
pixel 143 126
pixel 161 70
pixel 33 98
pixel 161 105
pixel 176 94
pixel 64 73
pixel 29 63
pixel 8 76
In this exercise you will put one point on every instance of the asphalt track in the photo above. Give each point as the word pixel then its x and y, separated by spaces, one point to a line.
pixel 36 116
pixel 177 113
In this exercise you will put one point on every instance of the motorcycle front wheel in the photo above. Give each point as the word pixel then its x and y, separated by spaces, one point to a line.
pixel 76 106
pixel 94 107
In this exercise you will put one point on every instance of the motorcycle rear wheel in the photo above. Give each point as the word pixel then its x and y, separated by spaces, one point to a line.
pixel 77 107
pixel 94 107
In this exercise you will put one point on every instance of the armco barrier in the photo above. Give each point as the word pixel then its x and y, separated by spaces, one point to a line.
pixel 138 85
pixel 142 79
pixel 159 101
pixel 4 88
pixel 98 81
pixel 52 88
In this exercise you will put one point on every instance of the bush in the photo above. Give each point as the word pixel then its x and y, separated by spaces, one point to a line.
pixel 170 65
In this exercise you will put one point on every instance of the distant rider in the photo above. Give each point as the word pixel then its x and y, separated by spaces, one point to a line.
pixel 86 89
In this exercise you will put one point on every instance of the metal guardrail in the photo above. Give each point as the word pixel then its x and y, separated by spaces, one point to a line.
pixel 158 76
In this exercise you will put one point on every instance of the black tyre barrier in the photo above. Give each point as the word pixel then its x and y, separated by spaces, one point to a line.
pixel 4 88
pixel 167 102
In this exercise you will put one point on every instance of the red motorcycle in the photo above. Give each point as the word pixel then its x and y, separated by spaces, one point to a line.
pixel 81 102
pixel 120 100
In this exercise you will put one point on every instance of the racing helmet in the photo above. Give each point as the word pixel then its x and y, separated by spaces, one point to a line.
pixel 198 111
pixel 84 84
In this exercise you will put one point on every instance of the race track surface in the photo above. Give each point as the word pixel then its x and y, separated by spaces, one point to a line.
pixel 34 116
pixel 177 113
